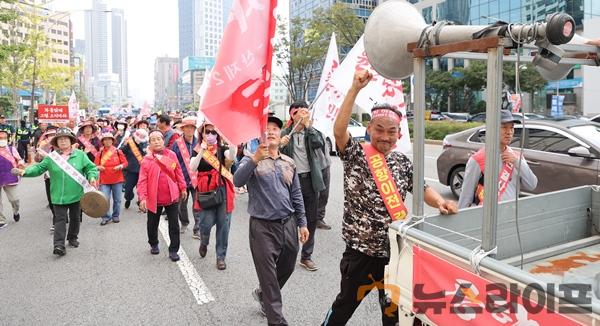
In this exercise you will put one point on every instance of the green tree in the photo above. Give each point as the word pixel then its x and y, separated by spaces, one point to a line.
pixel 301 48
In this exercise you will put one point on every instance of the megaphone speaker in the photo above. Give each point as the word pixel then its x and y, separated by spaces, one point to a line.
pixel 390 28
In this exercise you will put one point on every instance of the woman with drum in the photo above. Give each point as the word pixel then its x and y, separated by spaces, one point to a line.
pixel 67 167
pixel 215 192
pixel 160 187
pixel 110 162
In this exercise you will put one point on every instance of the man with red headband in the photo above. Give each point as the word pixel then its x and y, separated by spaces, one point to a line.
pixel 376 181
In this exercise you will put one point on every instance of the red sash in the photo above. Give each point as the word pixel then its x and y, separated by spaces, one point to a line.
pixel 503 178
pixel 87 144
pixel 134 149
pixel 385 183
pixel 186 160
pixel 5 152
pixel 106 155
pixel 166 165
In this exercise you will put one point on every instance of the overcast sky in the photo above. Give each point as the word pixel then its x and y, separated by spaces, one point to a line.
pixel 152 32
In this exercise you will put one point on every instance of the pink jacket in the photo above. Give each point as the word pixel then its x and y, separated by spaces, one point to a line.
pixel 147 186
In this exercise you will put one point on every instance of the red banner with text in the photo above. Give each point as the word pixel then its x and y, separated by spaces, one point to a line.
pixel 53 113
pixel 450 295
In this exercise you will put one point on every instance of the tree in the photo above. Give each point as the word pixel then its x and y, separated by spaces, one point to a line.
pixel 301 48
pixel 15 55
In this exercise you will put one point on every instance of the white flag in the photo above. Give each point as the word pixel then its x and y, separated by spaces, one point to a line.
pixel 204 85
pixel 327 106
pixel 73 106
pixel 379 90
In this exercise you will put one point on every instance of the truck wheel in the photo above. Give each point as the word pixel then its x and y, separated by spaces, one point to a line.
pixel 456 180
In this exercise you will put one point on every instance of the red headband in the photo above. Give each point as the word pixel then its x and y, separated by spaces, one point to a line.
pixel 385 113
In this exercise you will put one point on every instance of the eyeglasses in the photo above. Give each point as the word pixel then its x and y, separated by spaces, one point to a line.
pixel 212 132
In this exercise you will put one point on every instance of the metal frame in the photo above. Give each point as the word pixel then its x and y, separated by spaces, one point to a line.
pixel 496 48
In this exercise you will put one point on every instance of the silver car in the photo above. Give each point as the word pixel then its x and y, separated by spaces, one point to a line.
pixel 562 154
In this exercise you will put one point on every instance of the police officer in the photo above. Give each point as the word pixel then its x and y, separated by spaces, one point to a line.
pixel 9 128
pixel 23 139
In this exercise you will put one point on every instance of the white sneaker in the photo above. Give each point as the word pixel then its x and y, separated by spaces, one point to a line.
pixel 183 229
pixel 3 225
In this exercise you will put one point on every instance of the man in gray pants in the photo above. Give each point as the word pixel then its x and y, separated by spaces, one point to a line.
pixel 277 212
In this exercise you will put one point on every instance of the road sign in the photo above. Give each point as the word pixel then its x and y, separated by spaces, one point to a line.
pixel 53 113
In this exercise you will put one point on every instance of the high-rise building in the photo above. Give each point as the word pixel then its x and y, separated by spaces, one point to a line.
pixel 305 8
pixel 119 48
pixel 484 12
pixel 200 28
pixel 166 75
pixel 96 39
pixel 57 27
pixel 186 29
pixel 226 9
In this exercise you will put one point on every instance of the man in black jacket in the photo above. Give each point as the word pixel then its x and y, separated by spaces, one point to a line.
pixel 306 146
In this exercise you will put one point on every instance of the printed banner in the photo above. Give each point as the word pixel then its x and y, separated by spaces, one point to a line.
pixel 327 105
pixel 450 295
pixel 238 91
pixel 379 90
pixel 53 113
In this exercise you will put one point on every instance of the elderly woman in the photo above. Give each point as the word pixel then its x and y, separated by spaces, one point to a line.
pixel 160 187
pixel 111 162
pixel 65 192
pixel 212 177
pixel 88 140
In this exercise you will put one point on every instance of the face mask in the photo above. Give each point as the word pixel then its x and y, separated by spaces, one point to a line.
pixel 3 143
pixel 211 139
pixel 120 127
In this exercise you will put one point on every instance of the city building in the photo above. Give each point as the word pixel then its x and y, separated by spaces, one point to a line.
pixel 194 69
pixel 484 12
pixel 166 75
pixel 107 90
pixel 55 25
pixel 119 48
pixel 305 8
pixel 96 40
pixel 280 100
pixel 200 28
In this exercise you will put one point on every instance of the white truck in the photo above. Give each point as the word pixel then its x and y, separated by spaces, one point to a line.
pixel 533 261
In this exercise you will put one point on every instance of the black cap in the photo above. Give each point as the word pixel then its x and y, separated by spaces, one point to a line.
pixel 276 121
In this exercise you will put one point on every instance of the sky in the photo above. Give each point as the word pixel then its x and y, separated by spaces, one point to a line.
pixel 152 32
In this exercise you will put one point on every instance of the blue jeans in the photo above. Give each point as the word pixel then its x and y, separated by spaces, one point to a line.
pixel 117 192
pixel 217 216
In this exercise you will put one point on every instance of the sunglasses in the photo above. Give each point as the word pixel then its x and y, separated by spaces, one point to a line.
pixel 212 132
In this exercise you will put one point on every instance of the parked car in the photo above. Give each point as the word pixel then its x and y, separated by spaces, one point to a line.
pixel 456 116
pixel 562 154
pixel 479 117
pixel 593 117
pixel 357 131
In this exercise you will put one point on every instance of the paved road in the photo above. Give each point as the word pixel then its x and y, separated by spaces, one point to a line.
pixel 112 279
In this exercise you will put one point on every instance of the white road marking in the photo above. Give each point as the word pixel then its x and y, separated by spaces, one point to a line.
pixel 432 180
pixel 427 157
pixel 189 272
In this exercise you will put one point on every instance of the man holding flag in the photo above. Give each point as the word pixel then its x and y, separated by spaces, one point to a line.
pixel 306 146
pixel 368 208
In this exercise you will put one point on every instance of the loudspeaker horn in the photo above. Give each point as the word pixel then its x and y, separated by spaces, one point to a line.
pixel 391 26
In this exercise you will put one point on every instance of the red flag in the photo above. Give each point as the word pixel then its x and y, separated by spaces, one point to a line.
pixel 237 97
